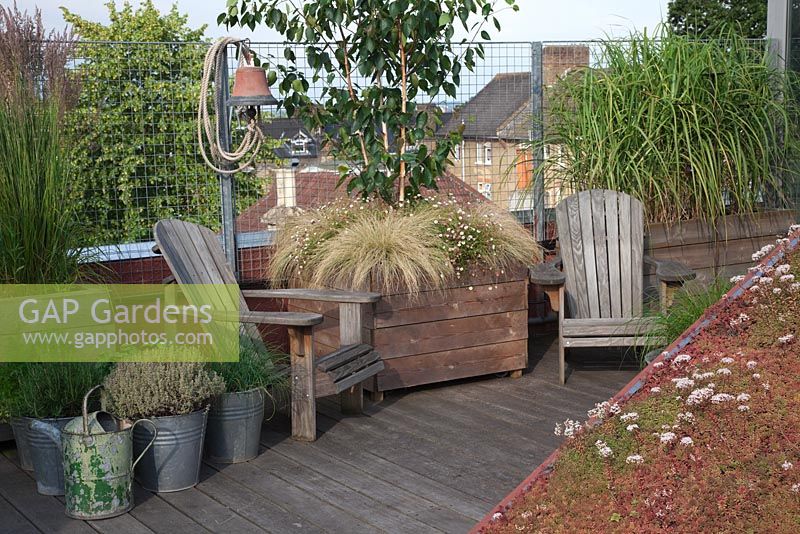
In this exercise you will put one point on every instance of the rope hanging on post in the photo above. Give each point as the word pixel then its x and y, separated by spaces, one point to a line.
pixel 206 131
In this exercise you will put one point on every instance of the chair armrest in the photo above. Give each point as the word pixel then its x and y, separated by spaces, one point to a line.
pixel 548 273
pixel 280 318
pixel 670 271
pixel 320 295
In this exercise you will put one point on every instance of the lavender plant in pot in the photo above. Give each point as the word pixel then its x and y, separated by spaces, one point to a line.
pixel 176 396
pixel 47 396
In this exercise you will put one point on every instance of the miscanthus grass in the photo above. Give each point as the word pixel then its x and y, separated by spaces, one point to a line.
pixel 692 128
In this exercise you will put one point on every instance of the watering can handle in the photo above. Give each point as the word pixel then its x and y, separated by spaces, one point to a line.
pixel 155 435
pixel 86 408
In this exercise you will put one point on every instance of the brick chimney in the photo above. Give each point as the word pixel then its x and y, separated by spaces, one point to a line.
pixel 558 59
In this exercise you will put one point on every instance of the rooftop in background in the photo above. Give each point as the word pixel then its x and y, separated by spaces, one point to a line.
pixel 298 141
pixel 487 114
pixel 314 187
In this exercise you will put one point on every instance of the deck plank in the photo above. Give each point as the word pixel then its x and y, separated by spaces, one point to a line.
pixel 381 515
pixel 210 513
pixel 414 506
pixel 122 524
pixel 13 521
pixel 253 506
pixel 46 513
pixel 159 516
pixel 442 459
pixel 300 502
pixel 343 449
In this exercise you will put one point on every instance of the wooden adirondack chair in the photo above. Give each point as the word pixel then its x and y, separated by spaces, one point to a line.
pixel 194 256
pixel 597 283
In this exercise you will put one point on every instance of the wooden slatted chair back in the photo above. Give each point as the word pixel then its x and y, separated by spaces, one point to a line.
pixel 194 256
pixel 601 234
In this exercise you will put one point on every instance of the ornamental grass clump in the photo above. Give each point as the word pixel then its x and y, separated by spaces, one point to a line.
pixel 257 368
pixel 692 128
pixel 41 236
pixel 689 303
pixel 135 390
pixel 362 244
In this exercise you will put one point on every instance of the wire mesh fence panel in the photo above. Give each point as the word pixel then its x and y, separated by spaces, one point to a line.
pixel 136 155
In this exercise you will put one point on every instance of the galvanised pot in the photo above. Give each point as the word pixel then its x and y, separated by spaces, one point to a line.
pixel 173 462
pixel 19 426
pixel 234 426
pixel 44 440
pixel 6 433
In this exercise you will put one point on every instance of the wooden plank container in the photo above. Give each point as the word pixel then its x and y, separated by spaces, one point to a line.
pixel 724 252
pixel 476 326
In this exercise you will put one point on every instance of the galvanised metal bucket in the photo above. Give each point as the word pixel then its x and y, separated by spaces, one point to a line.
pixel 98 465
pixel 173 462
pixel 44 440
pixel 234 426
pixel 6 434
pixel 19 426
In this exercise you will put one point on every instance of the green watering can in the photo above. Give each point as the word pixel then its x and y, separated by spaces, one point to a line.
pixel 98 464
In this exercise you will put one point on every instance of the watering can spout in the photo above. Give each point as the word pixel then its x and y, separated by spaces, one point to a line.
pixel 47 429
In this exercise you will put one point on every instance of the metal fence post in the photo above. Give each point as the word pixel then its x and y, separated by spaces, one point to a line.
pixel 779 32
pixel 537 133
pixel 227 201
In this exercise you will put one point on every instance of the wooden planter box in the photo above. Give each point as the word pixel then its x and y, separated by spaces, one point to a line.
pixel 724 252
pixel 440 335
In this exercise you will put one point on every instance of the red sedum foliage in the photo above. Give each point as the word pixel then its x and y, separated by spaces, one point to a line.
pixel 711 443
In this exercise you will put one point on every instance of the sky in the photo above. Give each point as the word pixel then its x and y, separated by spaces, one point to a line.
pixel 537 20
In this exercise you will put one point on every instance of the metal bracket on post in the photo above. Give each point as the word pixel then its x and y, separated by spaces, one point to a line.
pixel 537 133
pixel 227 193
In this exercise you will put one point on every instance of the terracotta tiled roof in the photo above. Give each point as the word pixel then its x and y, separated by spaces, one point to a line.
pixel 316 188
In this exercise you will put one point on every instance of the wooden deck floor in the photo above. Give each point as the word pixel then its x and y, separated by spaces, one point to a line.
pixel 431 459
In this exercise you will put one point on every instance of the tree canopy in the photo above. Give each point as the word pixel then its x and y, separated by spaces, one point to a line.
pixel 135 151
pixel 711 18
pixel 379 59
pixel 133 127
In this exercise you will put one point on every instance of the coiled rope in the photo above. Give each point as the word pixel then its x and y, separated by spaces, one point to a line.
pixel 206 131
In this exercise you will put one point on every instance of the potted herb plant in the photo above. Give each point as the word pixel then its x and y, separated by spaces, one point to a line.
pixel 453 277
pixel 236 415
pixel 47 395
pixel 176 397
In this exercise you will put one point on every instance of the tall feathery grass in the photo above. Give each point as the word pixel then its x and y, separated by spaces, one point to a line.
pixel 364 244
pixel 40 235
pixel 693 129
